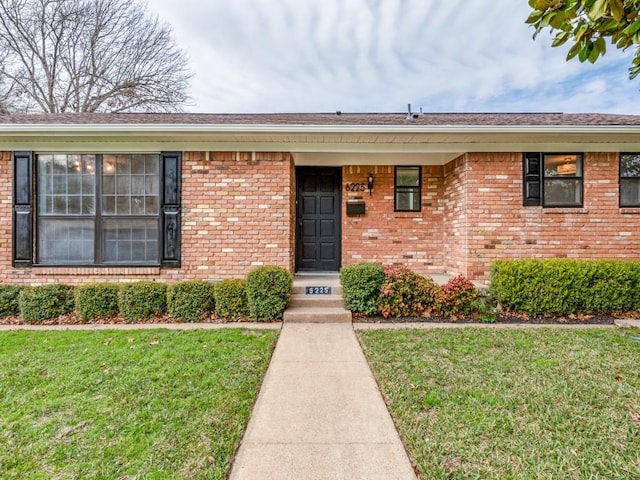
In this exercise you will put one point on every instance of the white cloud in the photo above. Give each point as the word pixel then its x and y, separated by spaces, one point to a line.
pixel 379 55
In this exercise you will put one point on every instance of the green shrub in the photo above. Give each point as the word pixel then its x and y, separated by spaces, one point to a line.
pixel 140 300
pixel 566 286
pixel 268 290
pixel 231 299
pixel 406 294
pixel 190 301
pixel 457 297
pixel 45 302
pixel 9 300
pixel 361 284
pixel 97 300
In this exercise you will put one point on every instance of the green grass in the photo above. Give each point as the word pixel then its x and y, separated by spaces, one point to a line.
pixel 513 404
pixel 127 405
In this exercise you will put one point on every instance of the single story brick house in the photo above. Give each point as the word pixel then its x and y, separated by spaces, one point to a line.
pixel 102 197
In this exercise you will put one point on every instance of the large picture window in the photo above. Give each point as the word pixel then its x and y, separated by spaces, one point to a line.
pixel 95 209
pixel 90 209
pixel 407 189
pixel 630 180
pixel 553 180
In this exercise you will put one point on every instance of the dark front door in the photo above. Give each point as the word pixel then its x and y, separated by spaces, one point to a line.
pixel 318 218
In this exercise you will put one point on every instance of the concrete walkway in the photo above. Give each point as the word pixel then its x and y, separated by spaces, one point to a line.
pixel 320 414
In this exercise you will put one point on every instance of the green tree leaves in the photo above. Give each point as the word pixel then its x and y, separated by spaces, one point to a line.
pixel 588 24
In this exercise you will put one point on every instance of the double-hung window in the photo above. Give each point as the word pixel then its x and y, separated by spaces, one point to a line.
pixel 630 179
pixel 408 183
pixel 95 209
pixel 98 209
pixel 553 180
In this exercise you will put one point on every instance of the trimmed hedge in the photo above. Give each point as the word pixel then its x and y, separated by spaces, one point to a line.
pixel 9 300
pixel 566 286
pixel 231 299
pixel 97 300
pixel 268 290
pixel 45 302
pixel 141 300
pixel 190 301
pixel 361 284
pixel 406 294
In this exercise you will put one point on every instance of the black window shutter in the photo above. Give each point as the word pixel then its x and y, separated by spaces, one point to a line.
pixel 170 250
pixel 532 176
pixel 22 209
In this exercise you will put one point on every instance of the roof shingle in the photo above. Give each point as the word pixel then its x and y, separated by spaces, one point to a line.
pixel 306 119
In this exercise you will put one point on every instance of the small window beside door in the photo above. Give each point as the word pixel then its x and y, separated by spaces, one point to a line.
pixel 408 186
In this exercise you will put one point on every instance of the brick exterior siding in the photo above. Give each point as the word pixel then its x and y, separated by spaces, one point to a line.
pixel 499 227
pixel 381 235
pixel 238 212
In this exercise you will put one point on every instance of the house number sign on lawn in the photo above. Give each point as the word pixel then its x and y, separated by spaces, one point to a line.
pixel 318 290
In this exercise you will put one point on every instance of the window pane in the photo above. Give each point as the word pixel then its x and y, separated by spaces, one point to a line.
pixel 64 182
pixel 407 176
pixel 130 240
pixel 562 192
pixel 130 185
pixel 68 241
pixel 563 165
pixel 630 165
pixel 630 192
pixel 408 199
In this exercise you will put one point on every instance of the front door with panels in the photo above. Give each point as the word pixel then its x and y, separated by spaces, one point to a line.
pixel 318 211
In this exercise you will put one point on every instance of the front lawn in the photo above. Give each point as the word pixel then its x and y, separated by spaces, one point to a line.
pixel 151 404
pixel 513 404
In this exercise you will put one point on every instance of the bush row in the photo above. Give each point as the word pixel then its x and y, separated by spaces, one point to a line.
pixel 370 288
pixel 566 286
pixel 262 296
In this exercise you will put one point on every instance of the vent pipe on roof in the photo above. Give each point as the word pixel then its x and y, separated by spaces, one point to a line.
pixel 412 115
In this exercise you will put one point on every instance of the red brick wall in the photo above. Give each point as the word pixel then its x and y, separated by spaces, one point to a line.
pixel 236 214
pixel 238 211
pixel 381 235
pixel 501 228
pixel 6 215
pixel 455 230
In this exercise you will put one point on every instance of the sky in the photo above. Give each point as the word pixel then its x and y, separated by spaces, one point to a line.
pixel 277 56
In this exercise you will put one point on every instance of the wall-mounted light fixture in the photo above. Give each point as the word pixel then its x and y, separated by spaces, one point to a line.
pixel 370 182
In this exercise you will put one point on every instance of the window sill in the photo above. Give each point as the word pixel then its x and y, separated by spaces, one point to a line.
pixel 564 210
pixel 407 214
pixel 630 210
pixel 49 270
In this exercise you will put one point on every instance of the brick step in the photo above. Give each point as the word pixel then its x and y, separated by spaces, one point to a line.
pixel 317 315
pixel 299 300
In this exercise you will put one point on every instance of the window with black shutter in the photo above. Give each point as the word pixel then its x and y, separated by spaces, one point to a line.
pixel 552 179
pixel 106 209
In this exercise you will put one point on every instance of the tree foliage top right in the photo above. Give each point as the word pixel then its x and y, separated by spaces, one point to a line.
pixel 588 24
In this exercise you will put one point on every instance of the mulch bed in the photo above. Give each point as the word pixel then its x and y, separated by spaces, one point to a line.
pixel 572 320
pixel 73 319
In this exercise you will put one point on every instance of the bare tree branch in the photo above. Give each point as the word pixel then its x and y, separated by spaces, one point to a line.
pixel 88 56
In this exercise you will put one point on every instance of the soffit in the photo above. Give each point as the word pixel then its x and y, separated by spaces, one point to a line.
pixel 437 144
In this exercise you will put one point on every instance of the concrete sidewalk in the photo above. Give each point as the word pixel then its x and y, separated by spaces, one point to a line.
pixel 320 414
